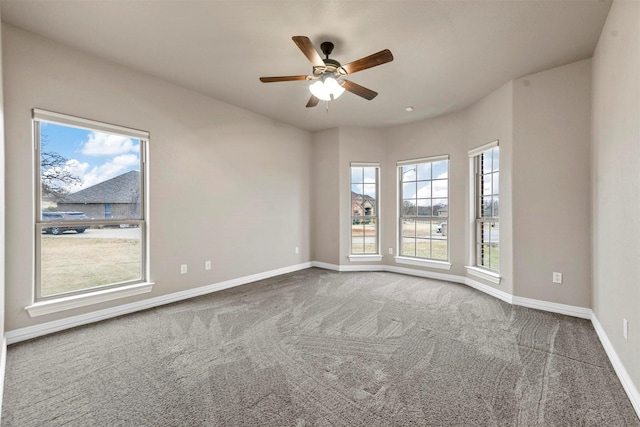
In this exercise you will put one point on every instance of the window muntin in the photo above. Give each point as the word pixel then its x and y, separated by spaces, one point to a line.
pixel 364 209
pixel 424 208
pixel 90 211
pixel 487 208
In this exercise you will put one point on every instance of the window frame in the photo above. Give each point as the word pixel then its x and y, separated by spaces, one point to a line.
pixel 365 256
pixel 44 304
pixel 478 219
pixel 417 260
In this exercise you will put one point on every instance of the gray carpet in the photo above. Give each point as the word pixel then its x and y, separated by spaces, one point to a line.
pixel 319 348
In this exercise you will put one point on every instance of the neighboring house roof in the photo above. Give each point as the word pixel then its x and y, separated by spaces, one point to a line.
pixel 355 196
pixel 123 188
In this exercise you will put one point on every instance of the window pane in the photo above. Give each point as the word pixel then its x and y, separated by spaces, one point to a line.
pixel 496 206
pixel 440 188
pixel 423 228
pixel 369 208
pixel 424 189
pixel 439 249
pixel 370 244
pixel 496 183
pixel 357 245
pixel 409 190
pixel 441 169
pixel 487 204
pixel 357 228
pixel 486 185
pixel 369 174
pixel 97 257
pixel 408 228
pixel 424 207
pixel 495 156
pixel 409 207
pixel 408 247
pixel 423 248
pixel 369 191
pixel 494 257
pixel 424 171
pixel 440 208
pixel 408 173
pixel 356 175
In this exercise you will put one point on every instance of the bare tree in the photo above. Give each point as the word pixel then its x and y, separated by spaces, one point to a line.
pixel 54 176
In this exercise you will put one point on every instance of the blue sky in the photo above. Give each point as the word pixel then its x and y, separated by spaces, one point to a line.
pixel 92 156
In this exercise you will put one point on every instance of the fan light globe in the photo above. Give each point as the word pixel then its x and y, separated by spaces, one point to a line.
pixel 326 90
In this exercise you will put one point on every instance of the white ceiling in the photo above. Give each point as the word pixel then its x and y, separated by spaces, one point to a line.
pixel 447 54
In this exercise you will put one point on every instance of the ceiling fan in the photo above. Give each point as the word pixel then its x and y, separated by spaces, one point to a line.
pixel 329 74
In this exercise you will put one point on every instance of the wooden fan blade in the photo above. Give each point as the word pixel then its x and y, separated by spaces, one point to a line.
pixel 305 45
pixel 313 101
pixel 379 58
pixel 359 90
pixel 283 79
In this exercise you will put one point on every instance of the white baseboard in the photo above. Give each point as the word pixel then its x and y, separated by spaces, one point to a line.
pixel 29 332
pixel 325 265
pixel 569 310
pixel 496 293
pixel 623 375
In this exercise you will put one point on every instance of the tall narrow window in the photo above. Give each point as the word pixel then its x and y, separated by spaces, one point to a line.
pixel 486 168
pixel 90 210
pixel 424 208
pixel 364 209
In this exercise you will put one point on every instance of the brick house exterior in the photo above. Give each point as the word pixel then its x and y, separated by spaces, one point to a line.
pixel 115 198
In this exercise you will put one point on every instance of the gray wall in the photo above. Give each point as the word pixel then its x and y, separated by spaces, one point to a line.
pixel 551 188
pixel 226 185
pixel 616 181
pixel 325 202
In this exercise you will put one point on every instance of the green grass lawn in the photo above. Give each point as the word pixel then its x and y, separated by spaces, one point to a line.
pixel 70 263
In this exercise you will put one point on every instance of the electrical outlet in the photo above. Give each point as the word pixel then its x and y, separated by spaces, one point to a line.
pixel 390 251
pixel 207 265
pixel 557 277
pixel 297 250
pixel 183 269
pixel 625 329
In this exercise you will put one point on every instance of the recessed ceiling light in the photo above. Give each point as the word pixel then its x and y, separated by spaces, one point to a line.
pixel 408 109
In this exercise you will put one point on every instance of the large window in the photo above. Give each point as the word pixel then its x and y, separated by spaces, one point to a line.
pixel 364 209
pixel 90 205
pixel 486 168
pixel 424 208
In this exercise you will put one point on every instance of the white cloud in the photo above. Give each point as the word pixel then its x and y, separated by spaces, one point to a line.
pixel 94 175
pixel 105 144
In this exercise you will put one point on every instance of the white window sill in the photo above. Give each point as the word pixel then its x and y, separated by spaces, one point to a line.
pixel 41 308
pixel 483 274
pixel 365 258
pixel 442 265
